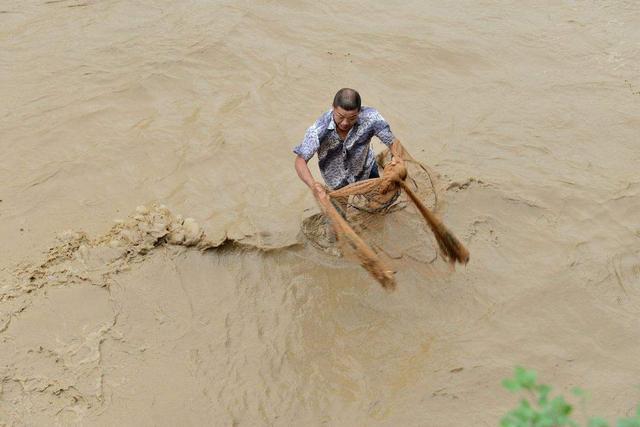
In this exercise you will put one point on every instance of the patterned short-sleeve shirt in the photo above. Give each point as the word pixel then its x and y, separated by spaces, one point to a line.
pixel 344 162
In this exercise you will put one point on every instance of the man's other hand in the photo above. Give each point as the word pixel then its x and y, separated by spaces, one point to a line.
pixel 397 163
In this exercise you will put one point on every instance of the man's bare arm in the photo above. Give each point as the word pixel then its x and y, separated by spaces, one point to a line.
pixel 305 176
pixel 303 172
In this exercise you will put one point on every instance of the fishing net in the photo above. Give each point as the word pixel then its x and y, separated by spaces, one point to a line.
pixel 376 222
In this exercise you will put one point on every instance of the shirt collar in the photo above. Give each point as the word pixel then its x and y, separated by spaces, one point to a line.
pixel 332 124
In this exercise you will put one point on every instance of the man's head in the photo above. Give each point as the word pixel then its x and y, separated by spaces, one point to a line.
pixel 346 107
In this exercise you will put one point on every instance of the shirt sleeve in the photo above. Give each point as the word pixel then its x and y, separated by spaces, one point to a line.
pixel 311 142
pixel 382 130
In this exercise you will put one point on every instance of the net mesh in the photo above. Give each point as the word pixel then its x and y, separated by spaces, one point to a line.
pixel 379 214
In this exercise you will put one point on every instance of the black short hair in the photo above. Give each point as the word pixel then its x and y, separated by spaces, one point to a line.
pixel 349 99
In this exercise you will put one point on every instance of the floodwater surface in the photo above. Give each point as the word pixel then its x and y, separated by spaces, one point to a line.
pixel 110 109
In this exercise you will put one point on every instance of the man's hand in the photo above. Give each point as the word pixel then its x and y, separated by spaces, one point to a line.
pixel 319 191
pixel 395 160
pixel 394 171
pixel 398 166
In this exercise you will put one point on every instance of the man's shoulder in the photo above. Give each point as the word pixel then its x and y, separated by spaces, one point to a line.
pixel 321 124
pixel 368 110
pixel 324 119
pixel 370 114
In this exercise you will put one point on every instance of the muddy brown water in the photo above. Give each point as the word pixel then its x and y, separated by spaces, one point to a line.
pixel 531 114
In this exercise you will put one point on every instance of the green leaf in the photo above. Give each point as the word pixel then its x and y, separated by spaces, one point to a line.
pixel 597 422
pixel 543 412
pixel 515 419
pixel 526 378
pixel 545 421
pixel 543 394
pixel 523 412
pixel 577 391
pixel 511 384
pixel 561 407
pixel 507 422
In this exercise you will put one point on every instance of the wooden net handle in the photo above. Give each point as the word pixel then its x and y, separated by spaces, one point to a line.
pixel 368 258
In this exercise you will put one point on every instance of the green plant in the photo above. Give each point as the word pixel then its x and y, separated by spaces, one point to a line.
pixel 539 409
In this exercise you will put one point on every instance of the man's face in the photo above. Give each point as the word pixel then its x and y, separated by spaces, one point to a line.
pixel 345 119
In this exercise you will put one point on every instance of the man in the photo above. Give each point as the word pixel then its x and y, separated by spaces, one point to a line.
pixel 342 138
